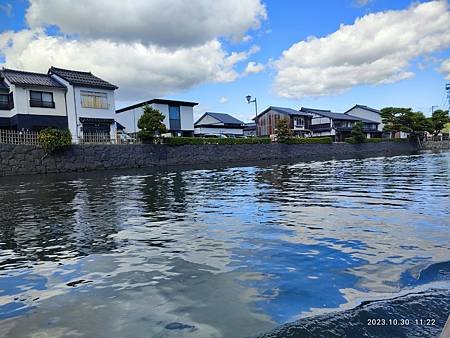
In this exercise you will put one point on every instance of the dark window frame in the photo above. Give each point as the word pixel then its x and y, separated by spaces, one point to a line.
pixel 41 103
pixel 9 104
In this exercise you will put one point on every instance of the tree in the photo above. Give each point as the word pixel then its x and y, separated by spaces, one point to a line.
pixel 392 118
pixel 284 131
pixel 404 119
pixel 54 140
pixel 358 134
pixel 438 121
pixel 151 123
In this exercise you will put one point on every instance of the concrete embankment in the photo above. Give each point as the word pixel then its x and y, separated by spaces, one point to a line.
pixel 436 145
pixel 27 160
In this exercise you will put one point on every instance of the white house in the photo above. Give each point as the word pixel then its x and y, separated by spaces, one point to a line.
pixel 366 113
pixel 178 116
pixel 218 124
pixel 90 103
pixel 31 101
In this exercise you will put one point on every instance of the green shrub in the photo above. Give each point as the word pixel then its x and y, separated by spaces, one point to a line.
pixel 179 141
pixel 307 140
pixel 358 135
pixel 151 123
pixel 52 139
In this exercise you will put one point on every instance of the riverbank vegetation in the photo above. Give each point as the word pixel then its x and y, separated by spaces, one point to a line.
pixel 53 139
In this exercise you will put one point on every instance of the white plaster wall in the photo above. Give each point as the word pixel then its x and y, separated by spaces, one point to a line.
pixel 320 120
pixel 187 118
pixel 367 114
pixel 21 98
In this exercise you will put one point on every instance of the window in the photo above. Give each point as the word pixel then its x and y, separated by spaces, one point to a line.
pixel 4 98
pixel 6 101
pixel 174 118
pixel 41 99
pixel 94 100
pixel 299 122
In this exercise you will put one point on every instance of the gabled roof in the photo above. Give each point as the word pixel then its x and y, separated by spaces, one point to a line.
pixel 283 110
pixel 160 101
pixel 81 79
pixel 226 119
pixel 22 78
pixel 339 116
pixel 363 107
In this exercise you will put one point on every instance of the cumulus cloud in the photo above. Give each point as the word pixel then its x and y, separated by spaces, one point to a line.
pixel 445 68
pixel 253 67
pixel 141 71
pixel 378 48
pixel 165 23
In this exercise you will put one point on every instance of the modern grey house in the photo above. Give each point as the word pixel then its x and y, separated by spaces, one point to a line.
pixel 213 124
pixel 366 113
pixel 179 116
pixel 338 125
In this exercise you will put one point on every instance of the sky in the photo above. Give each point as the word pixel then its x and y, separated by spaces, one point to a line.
pixel 326 54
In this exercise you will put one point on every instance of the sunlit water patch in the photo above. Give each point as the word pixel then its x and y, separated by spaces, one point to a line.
pixel 227 252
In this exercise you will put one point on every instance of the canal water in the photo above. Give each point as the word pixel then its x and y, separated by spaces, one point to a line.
pixel 278 250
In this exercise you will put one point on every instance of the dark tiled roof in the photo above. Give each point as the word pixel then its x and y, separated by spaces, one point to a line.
pixel 224 118
pixel 30 79
pixel 340 116
pixel 363 107
pixel 161 101
pixel 82 79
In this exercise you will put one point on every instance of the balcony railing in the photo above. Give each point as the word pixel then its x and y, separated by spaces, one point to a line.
pixel 320 127
pixel 42 104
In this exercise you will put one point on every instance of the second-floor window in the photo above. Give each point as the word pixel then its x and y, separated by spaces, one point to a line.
pixel 94 100
pixel 41 99
pixel 299 122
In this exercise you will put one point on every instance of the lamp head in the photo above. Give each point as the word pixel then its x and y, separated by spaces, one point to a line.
pixel 248 98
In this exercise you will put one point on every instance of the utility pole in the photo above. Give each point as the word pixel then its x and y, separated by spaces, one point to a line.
pixel 447 89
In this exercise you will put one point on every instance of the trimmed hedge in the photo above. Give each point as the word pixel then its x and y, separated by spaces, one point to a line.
pixel 180 141
pixel 308 140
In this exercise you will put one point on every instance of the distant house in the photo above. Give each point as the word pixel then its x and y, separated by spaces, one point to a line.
pixel 366 113
pixel 338 125
pixel 250 129
pixel 218 124
pixel 31 101
pixel 90 102
pixel 179 116
pixel 267 120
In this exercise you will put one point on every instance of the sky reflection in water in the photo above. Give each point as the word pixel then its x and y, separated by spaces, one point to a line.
pixel 224 252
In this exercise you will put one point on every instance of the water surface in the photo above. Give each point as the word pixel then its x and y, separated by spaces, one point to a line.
pixel 226 252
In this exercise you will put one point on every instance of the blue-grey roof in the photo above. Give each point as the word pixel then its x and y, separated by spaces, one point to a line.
pixel 337 116
pixel 82 79
pixel 283 110
pixel 22 78
pixel 224 118
pixel 363 107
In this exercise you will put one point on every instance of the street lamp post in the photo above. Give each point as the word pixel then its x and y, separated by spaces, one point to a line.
pixel 249 100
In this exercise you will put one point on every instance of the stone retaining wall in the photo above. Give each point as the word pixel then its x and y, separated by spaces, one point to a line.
pixel 24 160
pixel 436 145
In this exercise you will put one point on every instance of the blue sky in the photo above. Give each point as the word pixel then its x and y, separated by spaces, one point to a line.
pixel 347 71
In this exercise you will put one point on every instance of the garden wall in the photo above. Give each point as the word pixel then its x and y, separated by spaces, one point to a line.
pixel 24 160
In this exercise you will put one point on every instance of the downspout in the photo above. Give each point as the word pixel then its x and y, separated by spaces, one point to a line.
pixel 76 115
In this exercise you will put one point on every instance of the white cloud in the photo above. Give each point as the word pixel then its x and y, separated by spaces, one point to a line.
pixel 445 68
pixel 140 71
pixel 378 48
pixel 363 2
pixel 165 23
pixel 253 67
pixel 223 100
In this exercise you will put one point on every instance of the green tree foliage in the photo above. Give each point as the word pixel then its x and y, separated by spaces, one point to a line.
pixel 438 121
pixel 358 134
pixel 404 119
pixel 53 140
pixel 284 130
pixel 151 123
